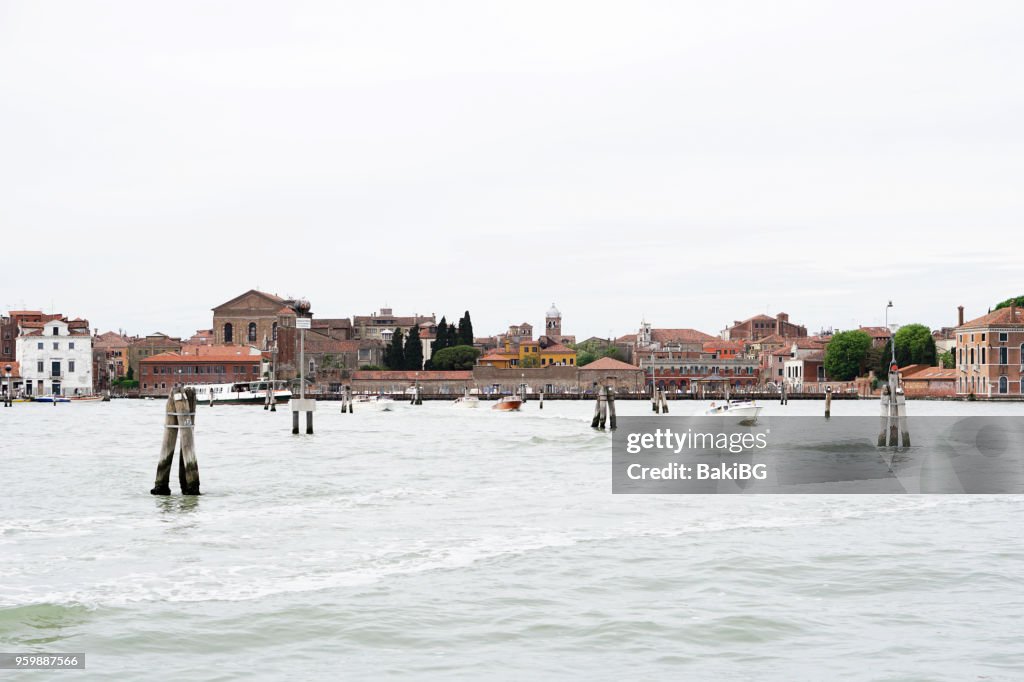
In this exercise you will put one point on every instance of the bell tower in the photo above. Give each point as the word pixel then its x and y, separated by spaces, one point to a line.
pixel 553 323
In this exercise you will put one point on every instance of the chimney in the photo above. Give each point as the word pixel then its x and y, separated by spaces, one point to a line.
pixel 959 316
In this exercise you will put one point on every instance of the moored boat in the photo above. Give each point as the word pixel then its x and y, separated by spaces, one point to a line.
pixel 509 403
pixel 245 392
pixel 51 399
pixel 467 401
pixel 87 399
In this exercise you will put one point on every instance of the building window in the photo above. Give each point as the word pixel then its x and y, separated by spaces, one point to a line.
pixel 56 345
pixel 1003 384
pixel 1002 336
pixel 1004 355
pixel 983 355
pixel 252 332
pixel 39 366
pixel 228 333
pixel 71 365
pixel 56 331
pixel 39 346
pixel 273 331
pixel 71 345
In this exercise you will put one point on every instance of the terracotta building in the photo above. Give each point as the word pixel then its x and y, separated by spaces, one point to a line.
pixel 216 364
pixel 148 346
pixel 990 354
pixel 759 326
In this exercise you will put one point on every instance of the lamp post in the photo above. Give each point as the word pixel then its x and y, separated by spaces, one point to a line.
pixel 7 396
pixel 892 337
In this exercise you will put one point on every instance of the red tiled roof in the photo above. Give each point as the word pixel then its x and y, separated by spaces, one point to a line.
pixel 411 375
pixel 498 355
pixel 1013 315
pixel 610 364
pixel 558 349
pixel 876 331
pixel 928 373
pixel 177 358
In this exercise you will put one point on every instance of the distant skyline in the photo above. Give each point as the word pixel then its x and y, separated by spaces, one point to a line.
pixel 690 163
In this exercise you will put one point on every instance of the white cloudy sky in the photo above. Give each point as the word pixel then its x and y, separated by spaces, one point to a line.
pixel 692 162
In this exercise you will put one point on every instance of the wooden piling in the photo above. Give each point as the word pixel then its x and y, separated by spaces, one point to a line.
pixel 828 402
pixel 893 416
pixel 295 421
pixel 596 422
pixel 180 412
pixel 783 400
pixel 541 406
pixel 610 401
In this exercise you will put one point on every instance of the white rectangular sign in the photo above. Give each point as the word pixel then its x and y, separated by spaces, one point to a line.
pixel 303 323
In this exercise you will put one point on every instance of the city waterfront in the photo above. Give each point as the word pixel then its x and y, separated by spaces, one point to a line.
pixel 432 542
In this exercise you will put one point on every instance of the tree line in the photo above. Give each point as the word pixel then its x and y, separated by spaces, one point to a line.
pixel 452 347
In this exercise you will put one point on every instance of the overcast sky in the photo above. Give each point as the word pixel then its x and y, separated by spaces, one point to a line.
pixel 693 163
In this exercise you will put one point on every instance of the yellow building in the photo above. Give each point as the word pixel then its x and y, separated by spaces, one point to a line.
pixel 557 355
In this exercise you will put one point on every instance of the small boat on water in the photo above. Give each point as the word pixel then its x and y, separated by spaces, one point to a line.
pixel 509 403
pixel 245 392
pixel 382 402
pixel 745 410
pixel 87 399
pixel 51 399
pixel 467 401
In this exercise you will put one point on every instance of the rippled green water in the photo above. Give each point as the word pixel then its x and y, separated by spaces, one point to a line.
pixel 440 543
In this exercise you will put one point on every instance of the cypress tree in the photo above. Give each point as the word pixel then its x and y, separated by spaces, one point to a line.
pixel 466 330
pixel 441 340
pixel 394 356
pixel 453 336
pixel 413 349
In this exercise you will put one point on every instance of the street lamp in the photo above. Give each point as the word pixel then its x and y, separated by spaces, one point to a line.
pixel 892 337
pixel 8 398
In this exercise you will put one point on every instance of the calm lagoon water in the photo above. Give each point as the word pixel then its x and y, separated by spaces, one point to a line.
pixel 438 543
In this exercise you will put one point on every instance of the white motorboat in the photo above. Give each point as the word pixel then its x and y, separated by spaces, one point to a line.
pixel 243 392
pixel 468 401
pixel 745 410
pixel 381 402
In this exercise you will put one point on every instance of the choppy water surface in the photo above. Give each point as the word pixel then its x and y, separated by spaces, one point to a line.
pixel 434 542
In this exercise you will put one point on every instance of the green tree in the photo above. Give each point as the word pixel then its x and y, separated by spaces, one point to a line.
pixel 1017 301
pixel 530 361
pixel 947 361
pixel 394 354
pixel 371 368
pixel 846 354
pixel 453 337
pixel 413 350
pixel 456 357
pixel 914 346
pixel 131 373
pixel 466 330
pixel 441 338
pixel 612 352
pixel 585 357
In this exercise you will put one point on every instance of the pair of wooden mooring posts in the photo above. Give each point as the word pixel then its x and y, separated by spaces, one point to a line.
pixel 417 396
pixel 894 431
pixel 659 402
pixel 346 400
pixel 180 418
pixel 604 409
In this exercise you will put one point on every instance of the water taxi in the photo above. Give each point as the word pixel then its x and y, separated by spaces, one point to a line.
pixel 509 403
pixel 245 392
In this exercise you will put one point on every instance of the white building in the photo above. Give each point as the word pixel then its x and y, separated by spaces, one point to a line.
pixel 55 359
